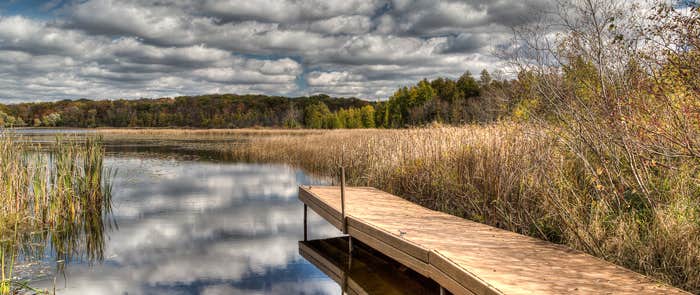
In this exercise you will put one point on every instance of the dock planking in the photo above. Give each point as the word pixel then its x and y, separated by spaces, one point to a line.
pixel 467 257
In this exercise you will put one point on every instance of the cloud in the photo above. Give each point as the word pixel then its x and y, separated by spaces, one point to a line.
pixel 41 61
pixel 463 43
pixel 344 24
pixel 124 18
pixel 288 11
pixel 153 48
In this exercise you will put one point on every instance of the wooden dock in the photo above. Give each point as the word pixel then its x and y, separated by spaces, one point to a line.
pixel 466 257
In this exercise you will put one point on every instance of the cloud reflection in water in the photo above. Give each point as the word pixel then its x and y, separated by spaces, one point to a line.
pixel 203 228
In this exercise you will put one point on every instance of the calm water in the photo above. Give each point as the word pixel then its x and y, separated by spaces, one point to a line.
pixel 190 226
pixel 193 227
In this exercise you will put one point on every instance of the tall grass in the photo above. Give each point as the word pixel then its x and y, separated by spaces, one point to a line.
pixel 514 176
pixel 57 196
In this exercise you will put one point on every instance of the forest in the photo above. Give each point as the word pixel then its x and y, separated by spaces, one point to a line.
pixel 443 100
pixel 205 111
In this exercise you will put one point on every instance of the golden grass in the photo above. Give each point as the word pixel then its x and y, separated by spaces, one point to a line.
pixel 181 132
pixel 516 177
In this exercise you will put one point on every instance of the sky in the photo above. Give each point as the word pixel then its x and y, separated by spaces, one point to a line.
pixel 104 49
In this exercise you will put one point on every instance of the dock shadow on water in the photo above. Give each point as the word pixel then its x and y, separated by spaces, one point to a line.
pixel 366 271
pixel 190 223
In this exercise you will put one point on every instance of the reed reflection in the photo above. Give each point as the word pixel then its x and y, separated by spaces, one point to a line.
pixel 56 205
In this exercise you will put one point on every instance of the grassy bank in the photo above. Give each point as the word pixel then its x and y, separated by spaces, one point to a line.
pixel 517 177
pixel 55 195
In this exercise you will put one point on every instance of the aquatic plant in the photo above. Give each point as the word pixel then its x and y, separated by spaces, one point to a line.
pixel 56 196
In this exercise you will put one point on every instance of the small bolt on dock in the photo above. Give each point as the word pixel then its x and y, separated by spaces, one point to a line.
pixel 466 257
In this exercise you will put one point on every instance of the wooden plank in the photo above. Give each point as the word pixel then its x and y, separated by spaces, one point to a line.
pixel 388 250
pixel 390 239
pixel 462 254
pixel 307 196
pixel 448 283
pixel 321 211
pixel 441 265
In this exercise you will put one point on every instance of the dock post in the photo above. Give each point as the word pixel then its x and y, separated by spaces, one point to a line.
pixel 349 253
pixel 305 223
pixel 442 291
pixel 342 199
pixel 348 267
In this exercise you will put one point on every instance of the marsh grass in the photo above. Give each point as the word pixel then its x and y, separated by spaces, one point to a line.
pixel 518 177
pixel 54 197
pixel 184 133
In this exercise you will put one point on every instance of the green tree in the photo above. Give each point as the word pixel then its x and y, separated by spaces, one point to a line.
pixel 332 121
pixel 51 120
pixel 315 115
pixel 421 93
pixel 367 114
pixel 467 85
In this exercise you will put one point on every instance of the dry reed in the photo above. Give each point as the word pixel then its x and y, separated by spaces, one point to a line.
pixel 57 195
pixel 513 176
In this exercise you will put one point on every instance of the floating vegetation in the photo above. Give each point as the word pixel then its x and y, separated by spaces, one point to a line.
pixel 55 199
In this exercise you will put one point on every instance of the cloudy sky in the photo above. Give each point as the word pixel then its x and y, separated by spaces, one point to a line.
pixel 57 49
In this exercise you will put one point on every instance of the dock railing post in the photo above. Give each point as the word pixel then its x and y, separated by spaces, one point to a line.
pixel 342 199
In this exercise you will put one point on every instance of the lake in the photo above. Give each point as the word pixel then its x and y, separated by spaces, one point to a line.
pixel 187 222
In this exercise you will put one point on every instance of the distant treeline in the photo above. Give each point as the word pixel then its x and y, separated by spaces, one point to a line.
pixel 205 111
pixel 464 100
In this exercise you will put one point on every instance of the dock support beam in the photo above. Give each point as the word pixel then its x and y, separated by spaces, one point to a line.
pixel 342 199
pixel 306 237
pixel 348 266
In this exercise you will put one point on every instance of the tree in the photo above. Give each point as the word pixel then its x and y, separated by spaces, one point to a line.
pixel 620 92
pixel 91 120
pixel 421 93
pixel 367 113
pixel 204 111
pixel 485 79
pixel 291 117
pixel 332 121
pixel 467 85
pixel 315 115
pixel 51 120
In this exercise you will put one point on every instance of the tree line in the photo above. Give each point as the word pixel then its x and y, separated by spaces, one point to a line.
pixel 444 100
pixel 205 111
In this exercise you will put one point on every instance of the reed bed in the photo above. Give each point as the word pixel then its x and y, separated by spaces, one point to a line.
pixel 56 195
pixel 184 132
pixel 514 176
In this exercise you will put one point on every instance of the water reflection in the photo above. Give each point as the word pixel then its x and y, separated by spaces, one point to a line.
pixel 205 228
pixel 367 271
